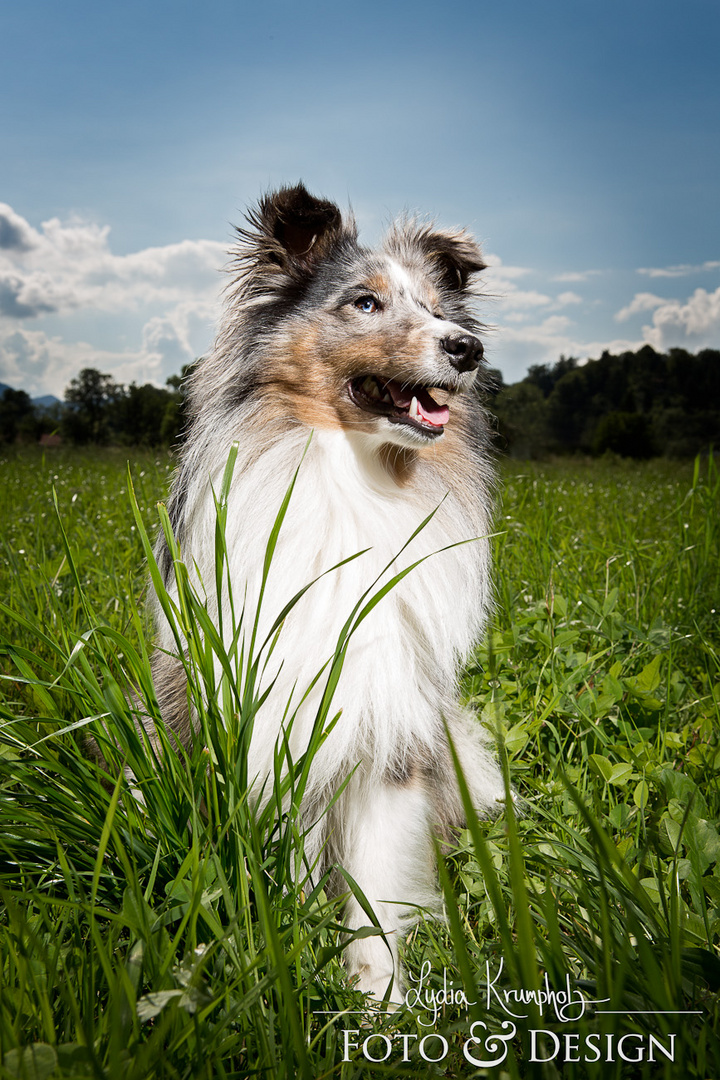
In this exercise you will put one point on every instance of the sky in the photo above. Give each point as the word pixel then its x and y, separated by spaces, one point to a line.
pixel 578 141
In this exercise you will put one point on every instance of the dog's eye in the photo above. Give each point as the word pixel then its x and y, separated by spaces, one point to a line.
pixel 368 305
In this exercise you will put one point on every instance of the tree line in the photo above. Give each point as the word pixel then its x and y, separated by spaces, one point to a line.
pixel 636 404
pixel 99 411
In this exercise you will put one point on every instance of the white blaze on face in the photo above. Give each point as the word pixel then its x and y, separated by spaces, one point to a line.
pixel 402 279
pixel 411 289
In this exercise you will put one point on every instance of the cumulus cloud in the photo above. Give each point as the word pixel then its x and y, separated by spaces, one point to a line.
pixel 565 298
pixel 692 324
pixel 640 302
pixel 519 305
pixel 17 302
pixel 516 348
pixel 69 266
pixel 15 233
pixel 66 270
pixel 683 270
pixel 44 363
pixel 525 298
pixel 41 363
pixel 500 284
pixel 168 338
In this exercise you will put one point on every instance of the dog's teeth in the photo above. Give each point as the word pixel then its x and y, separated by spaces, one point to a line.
pixel 387 399
pixel 413 411
pixel 371 388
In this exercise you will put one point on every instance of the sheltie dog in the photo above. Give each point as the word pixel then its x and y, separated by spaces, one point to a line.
pixel 368 357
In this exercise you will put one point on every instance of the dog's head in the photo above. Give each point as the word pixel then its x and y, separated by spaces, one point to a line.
pixel 378 341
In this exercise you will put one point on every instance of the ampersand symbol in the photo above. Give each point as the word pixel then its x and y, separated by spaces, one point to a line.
pixel 493 1043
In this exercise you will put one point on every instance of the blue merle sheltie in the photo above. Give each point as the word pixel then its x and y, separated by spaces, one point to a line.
pixel 371 354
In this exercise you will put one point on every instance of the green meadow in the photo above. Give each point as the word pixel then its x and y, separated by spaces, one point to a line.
pixel 181 935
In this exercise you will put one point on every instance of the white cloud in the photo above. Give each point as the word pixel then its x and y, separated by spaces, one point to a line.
pixel 42 364
pixel 170 336
pixel 498 270
pixel 499 284
pixel 576 276
pixel 517 303
pixel 524 298
pixel 515 348
pixel 683 270
pixel 69 266
pixel 565 298
pixel 692 324
pixel 66 272
pixel 15 233
pixel 639 303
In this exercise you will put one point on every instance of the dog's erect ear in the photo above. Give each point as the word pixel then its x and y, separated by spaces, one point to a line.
pixel 301 223
pixel 455 254
pixel 293 230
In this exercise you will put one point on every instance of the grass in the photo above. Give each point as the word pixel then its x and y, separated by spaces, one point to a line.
pixel 185 938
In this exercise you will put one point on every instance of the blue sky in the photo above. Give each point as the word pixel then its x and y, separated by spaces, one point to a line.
pixel 578 140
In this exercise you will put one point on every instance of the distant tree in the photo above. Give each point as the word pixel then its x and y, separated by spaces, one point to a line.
pixel 136 415
pixel 171 427
pixel 627 434
pixel 563 365
pixel 636 404
pixel 522 420
pixel 569 410
pixel 545 377
pixel 90 396
pixel 541 376
pixel 17 416
pixel 50 419
pixel 99 410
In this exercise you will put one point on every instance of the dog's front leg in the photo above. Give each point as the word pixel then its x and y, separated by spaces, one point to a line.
pixel 383 840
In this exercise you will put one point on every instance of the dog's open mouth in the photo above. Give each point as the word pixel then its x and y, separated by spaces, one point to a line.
pixel 400 403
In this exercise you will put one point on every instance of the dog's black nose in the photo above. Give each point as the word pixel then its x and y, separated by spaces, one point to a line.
pixel 464 351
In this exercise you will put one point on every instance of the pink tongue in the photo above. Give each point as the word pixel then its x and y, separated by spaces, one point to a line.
pixel 430 411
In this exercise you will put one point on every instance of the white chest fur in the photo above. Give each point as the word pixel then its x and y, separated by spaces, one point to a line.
pixel 400 672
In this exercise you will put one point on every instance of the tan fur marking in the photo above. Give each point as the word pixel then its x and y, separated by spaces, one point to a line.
pixel 399 462
pixel 305 381
pixel 379 285
pixel 309 372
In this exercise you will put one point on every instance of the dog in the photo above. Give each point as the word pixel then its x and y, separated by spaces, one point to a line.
pixel 368 360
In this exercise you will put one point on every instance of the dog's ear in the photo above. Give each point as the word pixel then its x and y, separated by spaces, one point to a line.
pixel 455 253
pixel 292 231
pixel 304 226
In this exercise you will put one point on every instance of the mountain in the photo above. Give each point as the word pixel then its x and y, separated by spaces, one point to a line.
pixel 46 401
